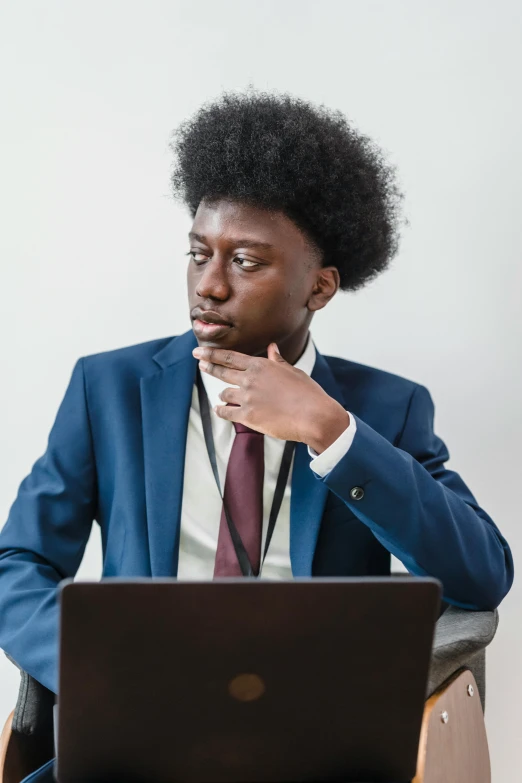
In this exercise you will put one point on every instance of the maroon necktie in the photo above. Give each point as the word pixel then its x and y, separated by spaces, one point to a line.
pixel 243 497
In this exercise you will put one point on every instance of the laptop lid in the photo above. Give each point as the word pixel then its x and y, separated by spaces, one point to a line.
pixel 240 680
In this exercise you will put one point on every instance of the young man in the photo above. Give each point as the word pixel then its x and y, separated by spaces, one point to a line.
pixel 290 204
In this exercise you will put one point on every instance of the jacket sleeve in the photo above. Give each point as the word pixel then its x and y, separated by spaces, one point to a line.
pixel 422 513
pixel 45 536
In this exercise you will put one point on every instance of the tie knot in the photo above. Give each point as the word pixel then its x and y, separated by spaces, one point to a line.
pixel 240 428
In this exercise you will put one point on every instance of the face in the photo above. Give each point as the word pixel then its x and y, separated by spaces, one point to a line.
pixel 255 270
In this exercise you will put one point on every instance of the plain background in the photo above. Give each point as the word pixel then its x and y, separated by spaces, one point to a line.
pixel 92 244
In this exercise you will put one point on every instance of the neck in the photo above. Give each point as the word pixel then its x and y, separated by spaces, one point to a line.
pixel 292 348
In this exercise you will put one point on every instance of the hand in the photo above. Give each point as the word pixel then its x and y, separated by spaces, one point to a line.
pixel 274 397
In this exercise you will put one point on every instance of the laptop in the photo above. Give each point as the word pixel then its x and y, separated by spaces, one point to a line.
pixel 243 681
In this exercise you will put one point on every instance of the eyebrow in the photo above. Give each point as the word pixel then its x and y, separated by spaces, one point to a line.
pixel 237 242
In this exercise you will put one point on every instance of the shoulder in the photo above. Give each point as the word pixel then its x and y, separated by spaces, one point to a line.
pixel 382 399
pixel 362 376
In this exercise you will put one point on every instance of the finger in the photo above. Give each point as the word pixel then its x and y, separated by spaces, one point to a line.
pixel 231 395
pixel 224 373
pixel 221 356
pixel 228 412
pixel 274 354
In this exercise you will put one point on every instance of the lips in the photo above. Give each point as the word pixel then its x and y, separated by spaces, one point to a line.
pixel 210 317
pixel 210 331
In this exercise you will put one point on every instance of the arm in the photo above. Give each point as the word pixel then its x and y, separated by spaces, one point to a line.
pixel 45 536
pixel 422 513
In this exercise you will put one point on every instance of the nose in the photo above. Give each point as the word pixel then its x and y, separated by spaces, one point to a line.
pixel 213 279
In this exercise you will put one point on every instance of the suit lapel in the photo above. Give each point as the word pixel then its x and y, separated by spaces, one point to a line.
pixel 165 399
pixel 165 405
pixel 308 491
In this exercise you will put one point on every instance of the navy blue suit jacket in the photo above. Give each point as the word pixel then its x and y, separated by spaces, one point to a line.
pixel 116 455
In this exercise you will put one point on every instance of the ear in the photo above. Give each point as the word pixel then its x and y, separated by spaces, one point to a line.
pixel 273 353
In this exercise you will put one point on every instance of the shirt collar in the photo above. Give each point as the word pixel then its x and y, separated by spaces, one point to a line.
pixel 214 386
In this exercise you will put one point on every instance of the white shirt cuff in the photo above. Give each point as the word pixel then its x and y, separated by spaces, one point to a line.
pixel 326 461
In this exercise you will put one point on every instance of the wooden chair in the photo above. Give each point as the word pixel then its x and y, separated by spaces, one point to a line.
pixel 453 746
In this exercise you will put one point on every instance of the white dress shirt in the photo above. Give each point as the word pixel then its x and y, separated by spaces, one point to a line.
pixel 202 504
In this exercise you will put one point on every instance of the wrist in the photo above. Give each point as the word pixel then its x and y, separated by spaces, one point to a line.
pixel 328 428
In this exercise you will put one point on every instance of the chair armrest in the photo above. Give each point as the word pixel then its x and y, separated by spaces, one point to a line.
pixel 33 713
pixel 461 638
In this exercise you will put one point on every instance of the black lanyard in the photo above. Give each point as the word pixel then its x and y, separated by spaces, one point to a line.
pixel 241 553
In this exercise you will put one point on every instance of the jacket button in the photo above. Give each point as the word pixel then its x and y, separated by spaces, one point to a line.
pixel 357 493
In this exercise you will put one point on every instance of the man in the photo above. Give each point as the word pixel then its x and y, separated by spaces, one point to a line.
pixel 290 204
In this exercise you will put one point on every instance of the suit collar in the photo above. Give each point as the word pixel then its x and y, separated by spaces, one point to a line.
pixel 176 350
pixel 308 491
pixel 166 398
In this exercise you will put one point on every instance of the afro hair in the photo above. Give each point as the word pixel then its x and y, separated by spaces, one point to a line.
pixel 282 153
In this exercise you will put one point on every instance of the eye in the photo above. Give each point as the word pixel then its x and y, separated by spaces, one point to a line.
pixel 199 258
pixel 246 261
pixel 194 253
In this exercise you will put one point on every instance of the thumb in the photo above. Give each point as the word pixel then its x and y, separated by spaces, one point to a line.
pixel 273 353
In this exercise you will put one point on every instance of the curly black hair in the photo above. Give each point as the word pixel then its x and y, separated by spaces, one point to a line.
pixel 283 153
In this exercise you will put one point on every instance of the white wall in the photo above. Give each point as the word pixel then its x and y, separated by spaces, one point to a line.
pixel 91 246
